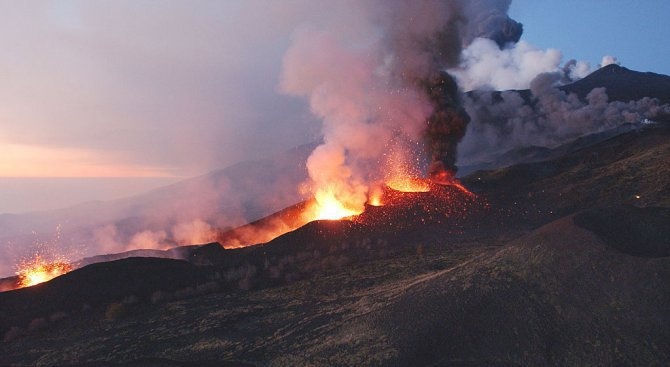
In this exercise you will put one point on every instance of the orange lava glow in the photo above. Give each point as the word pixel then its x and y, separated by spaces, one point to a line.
pixel 408 184
pixel 446 178
pixel 460 186
pixel 37 270
pixel 375 196
pixel 327 207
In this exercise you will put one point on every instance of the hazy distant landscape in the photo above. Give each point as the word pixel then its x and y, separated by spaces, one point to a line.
pixel 21 195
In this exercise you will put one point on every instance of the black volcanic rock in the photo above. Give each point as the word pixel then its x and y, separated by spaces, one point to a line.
pixel 631 168
pixel 629 229
pixel 96 285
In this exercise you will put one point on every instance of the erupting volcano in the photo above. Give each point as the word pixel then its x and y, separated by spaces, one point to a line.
pixel 389 111
pixel 395 204
pixel 385 236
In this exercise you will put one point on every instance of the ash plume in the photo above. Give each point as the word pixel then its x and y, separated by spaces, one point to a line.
pixel 488 19
pixel 377 74
pixel 447 124
pixel 550 118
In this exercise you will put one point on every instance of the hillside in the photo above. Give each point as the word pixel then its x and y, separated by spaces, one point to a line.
pixel 563 262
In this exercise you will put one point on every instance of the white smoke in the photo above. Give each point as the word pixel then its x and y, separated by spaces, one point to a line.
pixel 609 60
pixel 486 66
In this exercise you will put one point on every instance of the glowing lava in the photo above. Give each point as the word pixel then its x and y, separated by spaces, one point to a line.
pixel 38 270
pixel 446 178
pixel 375 196
pixel 408 184
pixel 327 207
pixel 402 173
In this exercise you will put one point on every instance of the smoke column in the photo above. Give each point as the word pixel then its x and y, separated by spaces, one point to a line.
pixel 375 77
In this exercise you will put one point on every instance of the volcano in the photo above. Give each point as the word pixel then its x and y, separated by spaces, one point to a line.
pixel 546 263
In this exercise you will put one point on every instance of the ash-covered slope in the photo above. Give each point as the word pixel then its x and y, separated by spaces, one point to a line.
pixel 566 264
pixel 95 286
pixel 557 296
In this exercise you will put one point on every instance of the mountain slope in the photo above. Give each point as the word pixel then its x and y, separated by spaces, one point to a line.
pixel 557 296
pixel 540 276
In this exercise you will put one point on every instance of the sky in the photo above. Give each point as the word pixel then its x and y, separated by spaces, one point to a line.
pixel 636 32
pixel 156 91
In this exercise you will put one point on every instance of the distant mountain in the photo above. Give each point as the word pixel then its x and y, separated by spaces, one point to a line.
pixel 623 84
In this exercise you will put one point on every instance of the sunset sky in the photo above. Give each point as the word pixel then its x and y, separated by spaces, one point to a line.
pixel 145 89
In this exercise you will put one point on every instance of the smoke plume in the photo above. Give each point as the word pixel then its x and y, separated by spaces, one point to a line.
pixel 380 81
pixel 547 118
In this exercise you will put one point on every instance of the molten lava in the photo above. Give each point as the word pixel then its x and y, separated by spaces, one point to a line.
pixel 38 270
pixel 327 207
pixel 375 196
pixel 409 184
pixel 446 178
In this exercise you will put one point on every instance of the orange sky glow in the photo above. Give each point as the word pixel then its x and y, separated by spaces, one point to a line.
pixel 18 160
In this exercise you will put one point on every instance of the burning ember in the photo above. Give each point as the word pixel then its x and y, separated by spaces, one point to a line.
pixel 39 270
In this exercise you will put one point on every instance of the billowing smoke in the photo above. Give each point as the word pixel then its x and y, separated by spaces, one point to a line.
pixel 547 117
pixel 484 65
pixel 609 60
pixel 380 79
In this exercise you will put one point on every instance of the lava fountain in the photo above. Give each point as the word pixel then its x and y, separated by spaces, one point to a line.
pixel 38 270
